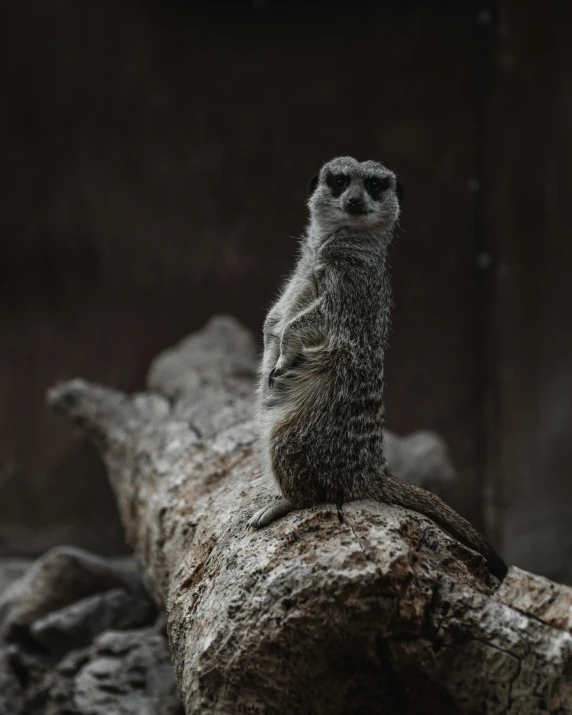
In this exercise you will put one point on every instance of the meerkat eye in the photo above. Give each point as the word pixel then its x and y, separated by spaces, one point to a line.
pixel 376 185
pixel 337 183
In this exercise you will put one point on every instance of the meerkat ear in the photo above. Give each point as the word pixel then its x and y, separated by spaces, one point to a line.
pixel 313 184
pixel 399 191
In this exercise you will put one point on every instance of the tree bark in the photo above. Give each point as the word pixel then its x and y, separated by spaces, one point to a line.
pixel 379 613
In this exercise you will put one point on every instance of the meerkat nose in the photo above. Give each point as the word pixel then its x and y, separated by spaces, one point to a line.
pixel 354 205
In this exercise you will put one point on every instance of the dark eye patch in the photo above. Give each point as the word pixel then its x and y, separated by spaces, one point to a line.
pixel 376 185
pixel 338 183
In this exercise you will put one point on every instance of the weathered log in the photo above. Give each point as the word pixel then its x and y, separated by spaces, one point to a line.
pixel 379 613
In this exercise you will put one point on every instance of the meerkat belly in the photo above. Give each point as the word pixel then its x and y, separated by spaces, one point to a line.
pixel 326 443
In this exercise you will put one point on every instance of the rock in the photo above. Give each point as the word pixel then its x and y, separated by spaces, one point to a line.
pixel 11 573
pixel 61 577
pixel 210 376
pixel 120 674
pixel 11 570
pixel 7 601
pixel 70 607
pixel 420 458
pixel 77 625
pixel 27 664
pixel 222 352
pixel 11 690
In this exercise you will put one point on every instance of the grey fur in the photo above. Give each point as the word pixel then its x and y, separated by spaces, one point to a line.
pixel 320 395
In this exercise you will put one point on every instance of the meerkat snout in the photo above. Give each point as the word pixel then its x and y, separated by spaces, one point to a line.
pixel 354 203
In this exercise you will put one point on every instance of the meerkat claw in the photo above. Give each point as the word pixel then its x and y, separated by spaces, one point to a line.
pixel 268 514
pixel 274 375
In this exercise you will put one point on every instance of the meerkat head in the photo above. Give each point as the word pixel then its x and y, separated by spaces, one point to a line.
pixel 352 194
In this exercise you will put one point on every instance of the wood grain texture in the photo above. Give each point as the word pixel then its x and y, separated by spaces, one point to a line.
pixel 380 613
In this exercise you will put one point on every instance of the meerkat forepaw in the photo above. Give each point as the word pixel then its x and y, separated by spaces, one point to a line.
pixel 278 370
pixel 275 373
pixel 270 513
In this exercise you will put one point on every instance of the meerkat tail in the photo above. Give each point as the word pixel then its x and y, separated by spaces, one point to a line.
pixel 409 496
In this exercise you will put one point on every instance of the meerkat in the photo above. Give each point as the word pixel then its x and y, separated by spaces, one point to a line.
pixel 321 381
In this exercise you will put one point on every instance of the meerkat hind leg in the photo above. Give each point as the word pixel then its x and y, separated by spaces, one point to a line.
pixel 268 514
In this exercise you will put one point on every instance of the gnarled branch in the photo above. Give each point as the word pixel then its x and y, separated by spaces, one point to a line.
pixel 381 613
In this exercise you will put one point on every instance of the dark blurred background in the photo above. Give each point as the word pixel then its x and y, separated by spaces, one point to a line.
pixel 154 162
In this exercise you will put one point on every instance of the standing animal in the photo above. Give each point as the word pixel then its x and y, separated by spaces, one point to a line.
pixel 320 393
